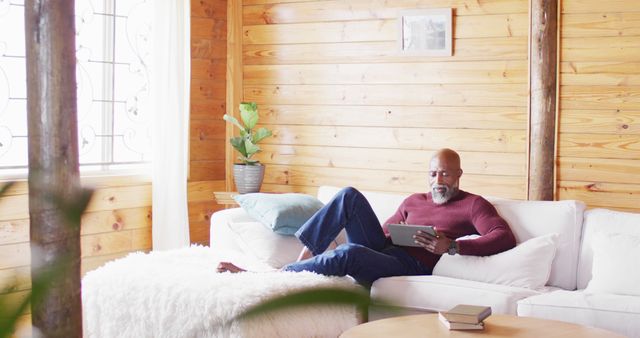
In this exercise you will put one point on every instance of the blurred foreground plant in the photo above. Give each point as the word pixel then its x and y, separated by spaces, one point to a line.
pixel 316 296
pixel 10 312
pixel 357 297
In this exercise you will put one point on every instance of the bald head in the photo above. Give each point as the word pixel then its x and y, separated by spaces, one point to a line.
pixel 444 175
pixel 447 155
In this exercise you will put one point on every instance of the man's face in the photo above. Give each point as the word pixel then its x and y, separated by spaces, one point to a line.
pixel 444 177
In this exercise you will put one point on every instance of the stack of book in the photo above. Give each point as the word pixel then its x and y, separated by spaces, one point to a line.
pixel 465 317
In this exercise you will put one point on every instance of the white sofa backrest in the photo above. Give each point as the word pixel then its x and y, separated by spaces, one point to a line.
pixel 383 204
pixel 606 221
pixel 530 219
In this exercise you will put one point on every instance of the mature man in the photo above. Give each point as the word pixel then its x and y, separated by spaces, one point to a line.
pixel 369 253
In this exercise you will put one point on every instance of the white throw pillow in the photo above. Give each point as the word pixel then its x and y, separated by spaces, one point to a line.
pixel 528 265
pixel 283 213
pixel 614 258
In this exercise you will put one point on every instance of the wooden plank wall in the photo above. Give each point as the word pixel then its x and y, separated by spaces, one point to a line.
pixel 208 95
pixel 347 109
pixel 599 125
pixel 116 222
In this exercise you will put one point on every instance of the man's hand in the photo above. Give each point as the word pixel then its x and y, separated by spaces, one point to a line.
pixel 437 245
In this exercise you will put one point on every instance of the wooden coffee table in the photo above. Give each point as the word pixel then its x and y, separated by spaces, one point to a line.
pixel 428 325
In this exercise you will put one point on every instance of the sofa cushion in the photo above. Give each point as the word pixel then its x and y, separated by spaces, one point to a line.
pixel 527 265
pixel 283 213
pixel 606 222
pixel 607 311
pixel 436 293
pixel 614 269
pixel 529 219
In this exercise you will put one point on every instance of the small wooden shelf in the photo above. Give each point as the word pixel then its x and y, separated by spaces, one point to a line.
pixel 225 197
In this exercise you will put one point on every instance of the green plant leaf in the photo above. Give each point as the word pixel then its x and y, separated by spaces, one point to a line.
pixel 316 296
pixel 40 287
pixel 250 147
pixel 6 187
pixel 9 314
pixel 249 114
pixel 73 207
pixel 238 143
pixel 246 160
pixel 233 120
pixel 260 134
pixel 249 106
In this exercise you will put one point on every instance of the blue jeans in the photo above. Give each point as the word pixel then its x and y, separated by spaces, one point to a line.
pixel 367 255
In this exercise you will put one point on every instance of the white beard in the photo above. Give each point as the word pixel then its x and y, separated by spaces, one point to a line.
pixel 442 198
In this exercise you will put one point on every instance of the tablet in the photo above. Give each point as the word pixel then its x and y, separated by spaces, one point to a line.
pixel 402 234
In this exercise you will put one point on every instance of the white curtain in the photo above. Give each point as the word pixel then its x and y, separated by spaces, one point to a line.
pixel 170 96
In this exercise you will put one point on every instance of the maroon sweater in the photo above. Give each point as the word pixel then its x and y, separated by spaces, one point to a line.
pixel 465 214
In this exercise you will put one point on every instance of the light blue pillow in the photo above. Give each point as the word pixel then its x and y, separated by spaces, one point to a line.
pixel 282 213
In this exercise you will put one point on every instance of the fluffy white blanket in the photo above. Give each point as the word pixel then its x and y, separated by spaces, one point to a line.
pixel 179 294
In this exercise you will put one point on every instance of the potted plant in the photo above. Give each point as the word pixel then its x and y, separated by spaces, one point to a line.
pixel 248 174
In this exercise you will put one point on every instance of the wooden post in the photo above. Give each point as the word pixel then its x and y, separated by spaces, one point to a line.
pixel 53 161
pixel 542 106
pixel 234 80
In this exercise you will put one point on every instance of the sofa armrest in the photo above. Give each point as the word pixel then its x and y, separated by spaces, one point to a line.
pixel 235 233
pixel 231 215
pixel 220 236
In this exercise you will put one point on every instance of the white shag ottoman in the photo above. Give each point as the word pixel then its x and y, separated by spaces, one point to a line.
pixel 178 293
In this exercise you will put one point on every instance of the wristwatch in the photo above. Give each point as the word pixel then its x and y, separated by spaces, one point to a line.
pixel 453 248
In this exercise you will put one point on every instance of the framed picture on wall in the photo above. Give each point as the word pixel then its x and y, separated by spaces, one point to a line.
pixel 426 32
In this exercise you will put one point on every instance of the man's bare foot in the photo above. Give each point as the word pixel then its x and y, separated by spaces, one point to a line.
pixel 229 267
pixel 304 254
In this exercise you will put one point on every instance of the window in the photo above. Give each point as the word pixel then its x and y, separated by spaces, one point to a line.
pixel 112 48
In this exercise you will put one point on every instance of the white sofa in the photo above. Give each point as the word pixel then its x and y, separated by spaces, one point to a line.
pixel 562 298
